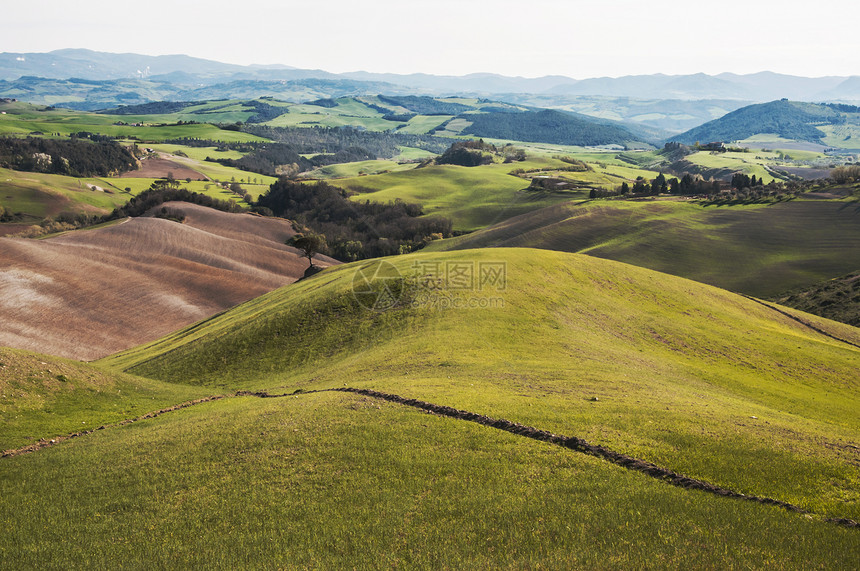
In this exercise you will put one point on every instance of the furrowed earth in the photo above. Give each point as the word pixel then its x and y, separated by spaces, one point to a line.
pixel 86 294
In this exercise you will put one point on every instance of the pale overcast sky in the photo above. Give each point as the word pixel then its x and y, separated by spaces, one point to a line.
pixel 529 38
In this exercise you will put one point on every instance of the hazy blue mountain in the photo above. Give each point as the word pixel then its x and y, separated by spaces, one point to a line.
pixel 758 87
pixel 769 86
pixel 848 90
pixel 88 64
pixel 655 119
pixel 91 95
pixel 476 83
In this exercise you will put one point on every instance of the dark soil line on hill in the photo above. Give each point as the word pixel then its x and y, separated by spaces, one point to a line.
pixel 570 442
pixel 802 322
pixel 45 443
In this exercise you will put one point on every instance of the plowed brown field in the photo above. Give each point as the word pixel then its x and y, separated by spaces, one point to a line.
pixel 160 167
pixel 90 293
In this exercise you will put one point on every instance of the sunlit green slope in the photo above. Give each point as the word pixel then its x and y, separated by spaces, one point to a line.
pixel 757 249
pixel 693 377
pixel 687 376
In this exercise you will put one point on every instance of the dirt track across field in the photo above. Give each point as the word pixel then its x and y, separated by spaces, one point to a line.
pixel 89 293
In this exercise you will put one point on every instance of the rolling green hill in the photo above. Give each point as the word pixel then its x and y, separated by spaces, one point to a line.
pixel 595 328
pixel 44 397
pixel 836 298
pixel 760 250
pixel 476 197
pixel 687 376
pixel 783 119
pixel 549 126
pixel 24 119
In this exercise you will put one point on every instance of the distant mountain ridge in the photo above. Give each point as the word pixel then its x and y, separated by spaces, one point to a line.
pixel 196 72
pixel 92 95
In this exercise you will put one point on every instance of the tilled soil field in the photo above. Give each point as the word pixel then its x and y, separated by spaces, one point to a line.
pixel 90 293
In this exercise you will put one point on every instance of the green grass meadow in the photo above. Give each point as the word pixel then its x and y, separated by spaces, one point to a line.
pixel 596 328
pixel 687 376
pixel 476 197
pixel 757 249
pixel 332 481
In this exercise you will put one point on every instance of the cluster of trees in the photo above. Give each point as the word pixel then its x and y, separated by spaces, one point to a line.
pixel 576 165
pixel 6 215
pixel 353 230
pixel 61 223
pixel 165 190
pixel 174 214
pixel 477 152
pixel 546 126
pixel 466 154
pixel 270 159
pixel 282 159
pixel 689 184
pixel 843 107
pixel 263 111
pixel 846 174
pixel 177 124
pixel 741 181
pixel 97 137
pixel 74 157
pixel 399 117
pixel 326 103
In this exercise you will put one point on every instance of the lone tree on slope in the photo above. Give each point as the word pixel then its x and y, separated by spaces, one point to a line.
pixel 310 243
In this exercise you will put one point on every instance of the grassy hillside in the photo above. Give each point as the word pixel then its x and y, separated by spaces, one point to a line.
pixel 239 483
pixel 756 249
pixel 650 346
pixel 475 197
pixel 788 120
pixel 836 298
pixel 45 397
pixel 38 195
pixel 687 376
pixel 411 114
pixel 24 118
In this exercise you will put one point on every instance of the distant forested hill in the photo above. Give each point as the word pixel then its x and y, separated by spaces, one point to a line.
pixel 788 119
pixel 76 157
pixel 425 105
pixel 547 126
